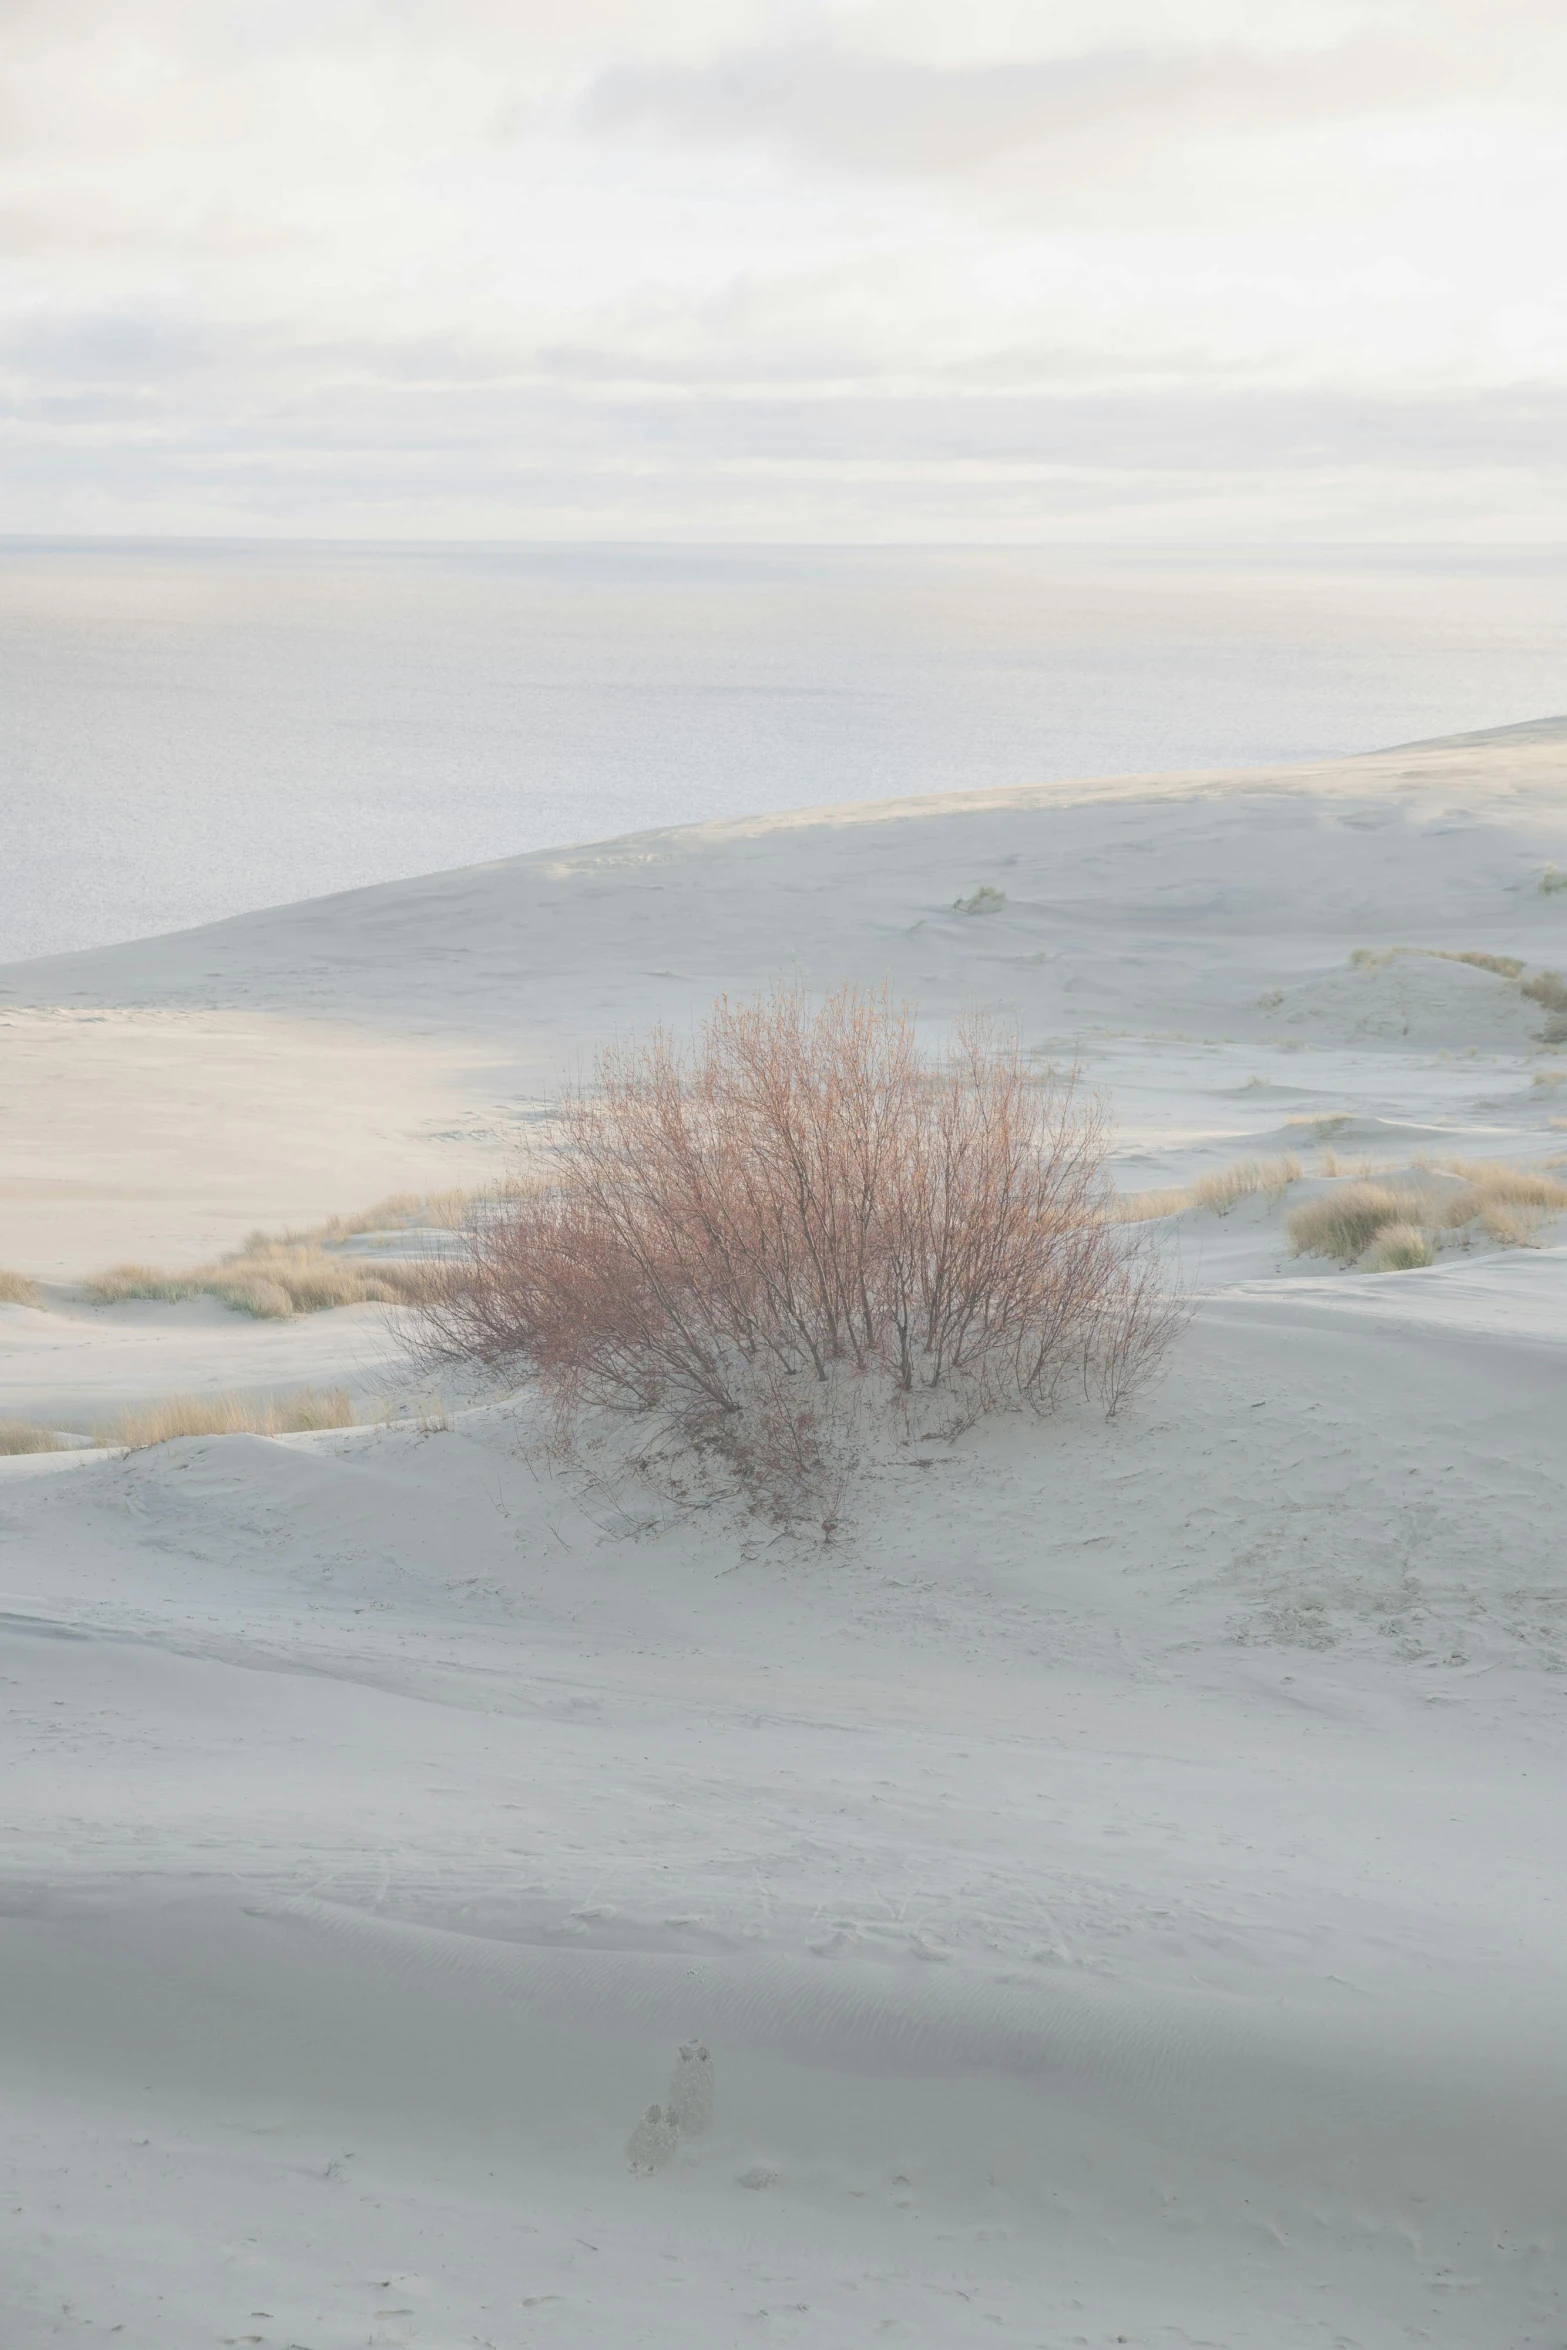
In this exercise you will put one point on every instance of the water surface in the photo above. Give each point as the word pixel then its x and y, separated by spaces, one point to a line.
pixel 190 730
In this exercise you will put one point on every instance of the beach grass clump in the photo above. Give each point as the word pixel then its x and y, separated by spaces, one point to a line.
pixel 16 1436
pixel 1549 990
pixel 1358 1169
pixel 1552 881
pixel 983 900
pixel 1148 1207
pixel 401 1211
pixel 278 1274
pixel 1400 1248
pixel 1344 1222
pixel 1324 1124
pixel 1512 1226
pixel 272 1280
pixel 1501 966
pixel 1245 1179
pixel 1504 966
pixel 140 1426
pixel 16 1289
pixel 1507 1204
pixel 1218 1192
pixel 1489 1184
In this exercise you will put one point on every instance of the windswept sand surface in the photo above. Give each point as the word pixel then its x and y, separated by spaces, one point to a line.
pixel 1118 1883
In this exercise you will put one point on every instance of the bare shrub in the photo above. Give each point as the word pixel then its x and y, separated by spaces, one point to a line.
pixel 1400 1248
pixel 169 1416
pixel 17 1290
pixel 755 1242
pixel 16 1436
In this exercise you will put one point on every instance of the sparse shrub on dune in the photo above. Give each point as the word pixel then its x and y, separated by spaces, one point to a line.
pixel 170 1416
pixel 17 1437
pixel 1552 881
pixel 1400 1248
pixel 758 1246
pixel 17 1290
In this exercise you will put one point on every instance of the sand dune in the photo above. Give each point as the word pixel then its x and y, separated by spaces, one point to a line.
pixel 1117 1882
pixel 199 1085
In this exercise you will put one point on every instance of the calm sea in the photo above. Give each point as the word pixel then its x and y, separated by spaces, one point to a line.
pixel 189 730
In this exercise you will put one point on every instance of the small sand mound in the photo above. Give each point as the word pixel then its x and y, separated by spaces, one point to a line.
pixel 1420 1000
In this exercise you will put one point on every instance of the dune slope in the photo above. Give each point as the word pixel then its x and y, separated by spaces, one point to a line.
pixel 1110 1894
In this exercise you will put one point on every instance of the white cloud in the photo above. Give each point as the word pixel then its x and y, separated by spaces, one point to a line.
pixel 892 268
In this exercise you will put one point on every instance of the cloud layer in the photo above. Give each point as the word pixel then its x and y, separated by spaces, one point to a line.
pixel 737 268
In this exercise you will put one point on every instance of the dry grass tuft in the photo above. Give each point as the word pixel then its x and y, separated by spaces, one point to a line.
pixel 282 1273
pixel 1325 1124
pixel 1400 1248
pixel 1508 1203
pixel 272 1279
pixel 16 1436
pixel 17 1290
pixel 170 1416
pixel 1344 1222
pixel 1218 1192
pixel 1246 1179
pixel 1492 1185
pixel 1503 966
pixel 760 1244
pixel 1513 1226
pixel 1552 881
pixel 1358 1170
pixel 1549 990
pixel 401 1211
pixel 1146 1207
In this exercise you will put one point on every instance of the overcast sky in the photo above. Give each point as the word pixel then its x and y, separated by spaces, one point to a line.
pixel 875 269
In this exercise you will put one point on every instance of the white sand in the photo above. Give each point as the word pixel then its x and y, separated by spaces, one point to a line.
pixel 1119 1882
